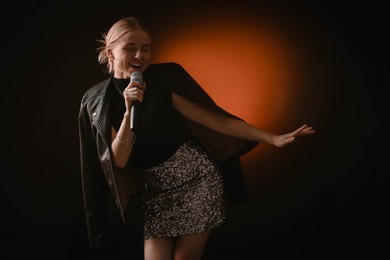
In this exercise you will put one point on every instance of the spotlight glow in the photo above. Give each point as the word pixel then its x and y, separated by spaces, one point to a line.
pixel 247 66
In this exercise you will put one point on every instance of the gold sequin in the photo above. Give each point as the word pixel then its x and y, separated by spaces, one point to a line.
pixel 184 195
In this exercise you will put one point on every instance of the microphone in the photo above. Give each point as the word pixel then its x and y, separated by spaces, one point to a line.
pixel 136 76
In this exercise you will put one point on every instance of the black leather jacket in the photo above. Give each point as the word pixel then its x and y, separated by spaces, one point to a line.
pixel 100 177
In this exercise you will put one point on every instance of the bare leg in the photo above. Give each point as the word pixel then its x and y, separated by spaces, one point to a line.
pixel 159 248
pixel 190 247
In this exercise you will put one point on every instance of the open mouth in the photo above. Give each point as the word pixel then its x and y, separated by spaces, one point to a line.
pixel 136 66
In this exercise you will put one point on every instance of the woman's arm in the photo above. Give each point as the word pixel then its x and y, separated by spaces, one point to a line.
pixel 123 140
pixel 122 143
pixel 232 126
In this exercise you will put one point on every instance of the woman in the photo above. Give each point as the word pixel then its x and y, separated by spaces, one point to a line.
pixel 184 153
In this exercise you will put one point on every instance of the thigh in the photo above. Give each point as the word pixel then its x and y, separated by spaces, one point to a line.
pixel 158 248
pixel 190 247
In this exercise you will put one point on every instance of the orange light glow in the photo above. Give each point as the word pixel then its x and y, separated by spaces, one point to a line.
pixel 245 65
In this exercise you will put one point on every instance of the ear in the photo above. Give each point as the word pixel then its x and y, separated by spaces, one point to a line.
pixel 109 54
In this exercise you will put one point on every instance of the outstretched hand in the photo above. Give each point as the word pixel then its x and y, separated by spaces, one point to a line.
pixel 285 139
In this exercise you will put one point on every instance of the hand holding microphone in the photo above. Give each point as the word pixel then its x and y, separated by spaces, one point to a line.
pixel 133 94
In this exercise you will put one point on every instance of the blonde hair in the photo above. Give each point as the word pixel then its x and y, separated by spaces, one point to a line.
pixel 110 38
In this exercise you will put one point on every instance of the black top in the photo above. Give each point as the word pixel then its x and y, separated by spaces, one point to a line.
pixel 161 129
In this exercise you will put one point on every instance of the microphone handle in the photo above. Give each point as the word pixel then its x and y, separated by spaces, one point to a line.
pixel 134 112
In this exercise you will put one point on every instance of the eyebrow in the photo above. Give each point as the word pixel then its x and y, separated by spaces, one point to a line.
pixel 146 44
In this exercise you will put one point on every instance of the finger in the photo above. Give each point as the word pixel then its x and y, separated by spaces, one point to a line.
pixel 137 85
pixel 134 85
pixel 132 94
pixel 126 93
pixel 302 128
pixel 298 131
pixel 308 132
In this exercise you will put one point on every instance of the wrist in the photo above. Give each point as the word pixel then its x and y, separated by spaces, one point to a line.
pixel 272 139
pixel 126 115
pixel 126 141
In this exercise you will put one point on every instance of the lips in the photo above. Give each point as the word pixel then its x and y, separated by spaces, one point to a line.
pixel 136 65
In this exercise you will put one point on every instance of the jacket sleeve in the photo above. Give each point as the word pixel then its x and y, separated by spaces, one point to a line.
pixel 94 186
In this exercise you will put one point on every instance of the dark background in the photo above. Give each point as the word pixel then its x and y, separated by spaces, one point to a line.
pixel 337 205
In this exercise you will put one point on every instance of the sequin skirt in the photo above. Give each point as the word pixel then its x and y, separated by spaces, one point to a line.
pixel 184 195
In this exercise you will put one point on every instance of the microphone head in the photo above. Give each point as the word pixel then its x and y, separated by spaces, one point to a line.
pixel 136 76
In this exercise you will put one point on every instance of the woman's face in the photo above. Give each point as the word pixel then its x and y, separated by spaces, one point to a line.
pixel 131 53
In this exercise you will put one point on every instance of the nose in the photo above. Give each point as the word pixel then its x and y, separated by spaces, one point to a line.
pixel 138 54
